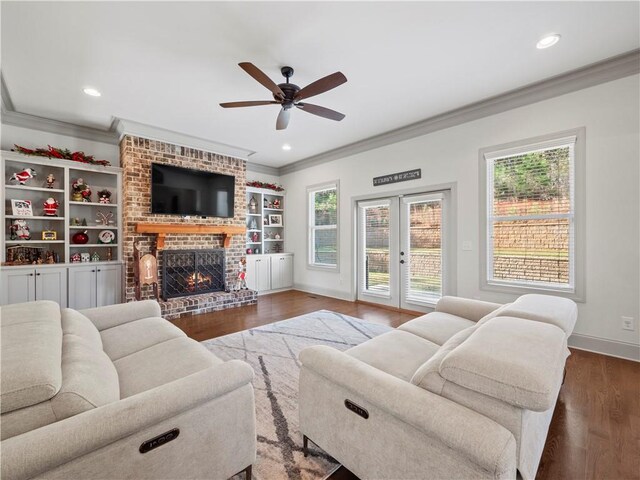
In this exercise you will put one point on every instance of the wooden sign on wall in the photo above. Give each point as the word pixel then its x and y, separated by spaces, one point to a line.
pixel 398 177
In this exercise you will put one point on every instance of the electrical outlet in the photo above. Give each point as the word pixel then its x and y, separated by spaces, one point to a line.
pixel 627 323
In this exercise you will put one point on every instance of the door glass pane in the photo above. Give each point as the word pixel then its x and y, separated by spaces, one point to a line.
pixel 376 249
pixel 423 274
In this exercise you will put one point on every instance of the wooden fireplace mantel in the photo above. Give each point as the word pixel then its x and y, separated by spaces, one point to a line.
pixel 161 230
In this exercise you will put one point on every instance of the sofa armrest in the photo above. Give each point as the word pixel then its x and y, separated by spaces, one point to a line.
pixel 40 450
pixel 467 308
pixel 114 315
pixel 486 443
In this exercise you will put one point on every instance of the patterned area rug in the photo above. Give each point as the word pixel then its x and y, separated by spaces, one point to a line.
pixel 272 350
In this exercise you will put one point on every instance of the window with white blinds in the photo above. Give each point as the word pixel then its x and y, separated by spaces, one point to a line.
pixel 530 225
pixel 323 225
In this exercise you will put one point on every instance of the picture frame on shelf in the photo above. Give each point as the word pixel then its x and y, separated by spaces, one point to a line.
pixel 275 220
pixel 21 208
pixel 266 221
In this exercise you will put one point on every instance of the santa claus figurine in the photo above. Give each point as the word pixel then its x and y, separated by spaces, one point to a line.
pixel 51 207
pixel 23 176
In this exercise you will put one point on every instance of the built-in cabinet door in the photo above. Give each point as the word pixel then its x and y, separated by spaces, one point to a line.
pixel 281 271
pixel 18 286
pixel 258 273
pixel 51 284
pixel 82 287
pixel 108 286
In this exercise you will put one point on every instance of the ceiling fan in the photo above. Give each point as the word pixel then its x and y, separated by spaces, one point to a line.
pixel 289 95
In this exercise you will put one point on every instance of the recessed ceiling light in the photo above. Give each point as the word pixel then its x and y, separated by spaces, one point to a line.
pixel 91 92
pixel 286 146
pixel 548 41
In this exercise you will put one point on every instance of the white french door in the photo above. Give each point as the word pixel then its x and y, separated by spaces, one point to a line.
pixel 401 250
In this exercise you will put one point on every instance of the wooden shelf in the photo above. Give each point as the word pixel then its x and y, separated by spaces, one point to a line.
pixel 34 189
pixel 161 230
pixel 95 204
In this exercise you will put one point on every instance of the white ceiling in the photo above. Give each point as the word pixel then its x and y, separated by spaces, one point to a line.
pixel 169 64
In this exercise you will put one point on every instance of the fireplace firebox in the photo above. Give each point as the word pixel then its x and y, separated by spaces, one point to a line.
pixel 192 272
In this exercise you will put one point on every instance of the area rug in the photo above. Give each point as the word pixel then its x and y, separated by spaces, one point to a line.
pixel 272 350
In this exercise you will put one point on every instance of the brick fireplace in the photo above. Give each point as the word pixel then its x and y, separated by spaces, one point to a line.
pixel 136 156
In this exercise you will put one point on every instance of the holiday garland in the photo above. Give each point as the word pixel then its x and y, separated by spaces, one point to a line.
pixel 270 186
pixel 62 153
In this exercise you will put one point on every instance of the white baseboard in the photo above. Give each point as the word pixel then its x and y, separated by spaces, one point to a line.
pixel 326 292
pixel 612 348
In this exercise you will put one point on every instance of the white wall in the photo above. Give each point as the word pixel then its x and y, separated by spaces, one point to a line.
pixel 262 177
pixel 29 138
pixel 611 117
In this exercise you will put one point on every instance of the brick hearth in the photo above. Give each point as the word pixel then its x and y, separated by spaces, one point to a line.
pixel 136 156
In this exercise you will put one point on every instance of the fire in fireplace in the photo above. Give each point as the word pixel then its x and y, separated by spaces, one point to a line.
pixel 192 272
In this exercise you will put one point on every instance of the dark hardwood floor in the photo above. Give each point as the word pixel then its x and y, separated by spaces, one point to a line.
pixel 595 431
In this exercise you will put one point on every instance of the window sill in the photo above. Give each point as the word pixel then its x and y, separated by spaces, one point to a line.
pixel 323 268
pixel 573 294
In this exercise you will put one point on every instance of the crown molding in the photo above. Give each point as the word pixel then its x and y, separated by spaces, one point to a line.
pixel 7 104
pixel 608 70
pixel 258 168
pixel 130 127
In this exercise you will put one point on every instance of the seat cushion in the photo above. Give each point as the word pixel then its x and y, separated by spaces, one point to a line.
pixel 75 323
pixel 518 361
pixel 89 378
pixel 31 345
pixel 162 363
pixel 437 327
pixel 397 353
pixel 134 336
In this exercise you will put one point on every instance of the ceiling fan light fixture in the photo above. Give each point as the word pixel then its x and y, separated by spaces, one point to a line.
pixel 92 92
pixel 286 147
pixel 548 41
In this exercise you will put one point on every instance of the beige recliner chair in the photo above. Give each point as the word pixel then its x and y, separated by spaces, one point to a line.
pixel 118 393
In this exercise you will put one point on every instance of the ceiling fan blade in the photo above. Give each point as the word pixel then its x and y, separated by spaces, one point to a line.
pixel 321 86
pixel 321 111
pixel 283 119
pixel 248 104
pixel 261 77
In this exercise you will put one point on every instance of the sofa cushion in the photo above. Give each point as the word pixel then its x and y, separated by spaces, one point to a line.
pixel 31 345
pixel 162 363
pixel 89 378
pixel 515 360
pixel 397 353
pixel 134 336
pixel 428 375
pixel 496 313
pixel 557 311
pixel 75 323
pixel 468 308
pixel 437 327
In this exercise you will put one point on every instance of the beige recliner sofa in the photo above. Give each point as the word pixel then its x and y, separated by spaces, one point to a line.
pixel 465 392
pixel 118 393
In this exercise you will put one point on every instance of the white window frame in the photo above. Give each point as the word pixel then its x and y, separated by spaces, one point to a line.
pixel 575 139
pixel 312 228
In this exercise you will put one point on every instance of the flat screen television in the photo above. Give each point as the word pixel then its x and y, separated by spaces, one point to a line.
pixel 183 191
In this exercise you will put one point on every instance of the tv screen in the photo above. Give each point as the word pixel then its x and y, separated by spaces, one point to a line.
pixel 182 191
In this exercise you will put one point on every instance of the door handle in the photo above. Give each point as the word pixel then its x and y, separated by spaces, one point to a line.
pixel 401 253
pixel 401 261
pixel 99 270
pixel 31 274
pixel 37 274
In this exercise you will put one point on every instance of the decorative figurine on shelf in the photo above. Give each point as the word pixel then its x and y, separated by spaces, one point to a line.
pixel 249 251
pixel 50 180
pixel 19 230
pixel 106 237
pixel 80 238
pixel 104 218
pixel 95 257
pixel 109 254
pixel 265 202
pixel 277 248
pixel 255 237
pixel 81 191
pixel 83 223
pixel 76 258
pixel 85 257
pixel 276 203
pixel 50 258
pixel 276 236
pixel 253 205
pixel 23 176
pixel 104 196
pixel 270 204
pixel 256 250
pixel 75 222
pixel 253 225
pixel 51 207
pixel 241 284
pixel 49 235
